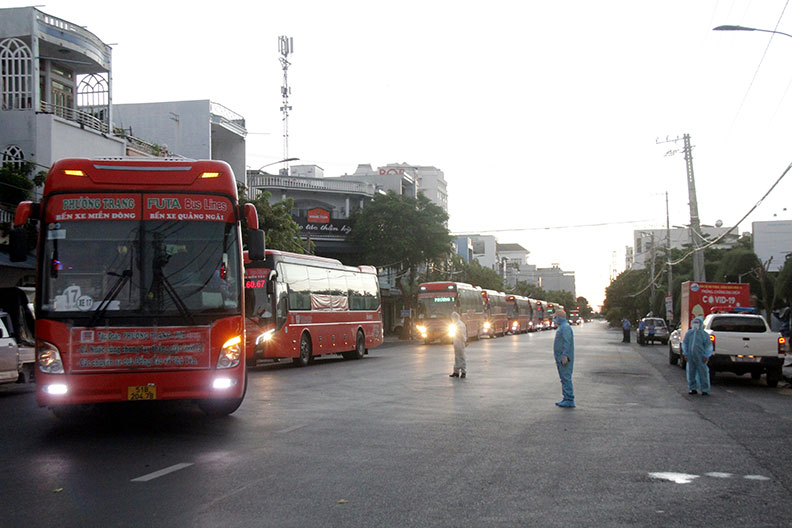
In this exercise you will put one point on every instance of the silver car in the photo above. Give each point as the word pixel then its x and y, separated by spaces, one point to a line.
pixel 675 356
pixel 660 331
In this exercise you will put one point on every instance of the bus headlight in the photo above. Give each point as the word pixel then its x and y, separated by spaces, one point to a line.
pixel 264 337
pixel 421 330
pixel 452 329
pixel 49 359
pixel 230 354
pixel 487 325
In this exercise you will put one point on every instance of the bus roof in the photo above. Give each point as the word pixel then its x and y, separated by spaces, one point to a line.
pixel 307 260
pixel 141 174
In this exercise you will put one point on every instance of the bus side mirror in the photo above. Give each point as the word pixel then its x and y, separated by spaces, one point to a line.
pixel 251 215
pixel 256 244
pixel 17 251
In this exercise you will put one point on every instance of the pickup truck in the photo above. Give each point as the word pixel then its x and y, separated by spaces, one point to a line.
pixel 744 343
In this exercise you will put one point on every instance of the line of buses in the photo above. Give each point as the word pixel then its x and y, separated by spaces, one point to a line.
pixel 486 313
pixel 144 293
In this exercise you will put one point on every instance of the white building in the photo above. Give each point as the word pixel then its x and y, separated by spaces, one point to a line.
pixel 556 279
pixel 193 129
pixel 405 179
pixel 514 265
pixel 649 240
pixel 55 90
pixel 773 240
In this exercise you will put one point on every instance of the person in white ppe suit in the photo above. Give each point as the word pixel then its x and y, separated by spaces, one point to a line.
pixel 460 342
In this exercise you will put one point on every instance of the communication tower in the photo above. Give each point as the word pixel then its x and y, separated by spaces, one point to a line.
pixel 285 47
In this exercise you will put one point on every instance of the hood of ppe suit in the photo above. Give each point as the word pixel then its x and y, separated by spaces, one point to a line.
pixel 455 317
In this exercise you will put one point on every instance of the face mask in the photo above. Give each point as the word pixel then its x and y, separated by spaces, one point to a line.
pixel 696 325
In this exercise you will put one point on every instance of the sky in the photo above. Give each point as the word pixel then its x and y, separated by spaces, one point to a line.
pixel 552 121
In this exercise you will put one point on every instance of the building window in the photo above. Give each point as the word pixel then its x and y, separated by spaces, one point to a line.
pixel 93 94
pixel 13 156
pixel 15 74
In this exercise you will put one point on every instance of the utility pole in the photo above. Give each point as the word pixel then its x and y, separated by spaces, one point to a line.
pixel 670 296
pixel 696 238
pixel 285 47
pixel 652 275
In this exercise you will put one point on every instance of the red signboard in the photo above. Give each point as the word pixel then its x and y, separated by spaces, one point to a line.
pixel 131 349
pixel 700 299
pixel 318 216
pixel 94 206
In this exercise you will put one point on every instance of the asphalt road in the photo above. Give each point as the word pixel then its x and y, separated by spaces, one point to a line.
pixel 391 440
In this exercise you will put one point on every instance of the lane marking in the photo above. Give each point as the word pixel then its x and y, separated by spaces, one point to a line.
pixel 716 474
pixel 290 429
pixel 679 478
pixel 161 472
pixel 755 477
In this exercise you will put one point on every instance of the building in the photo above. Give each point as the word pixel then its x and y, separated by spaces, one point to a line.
pixel 199 129
pixel 514 265
pixel 485 250
pixel 556 279
pixel 322 206
pixel 407 180
pixel 772 242
pixel 655 240
pixel 55 90
pixel 386 179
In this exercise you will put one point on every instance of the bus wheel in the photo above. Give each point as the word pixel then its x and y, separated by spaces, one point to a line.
pixel 305 356
pixel 222 406
pixel 360 347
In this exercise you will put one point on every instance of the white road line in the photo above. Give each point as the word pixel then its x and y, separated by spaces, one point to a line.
pixel 161 472
pixel 290 429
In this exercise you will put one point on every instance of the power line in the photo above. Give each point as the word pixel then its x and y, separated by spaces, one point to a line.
pixel 600 224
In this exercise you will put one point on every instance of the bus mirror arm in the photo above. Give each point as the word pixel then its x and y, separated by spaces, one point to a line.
pixel 256 244
pixel 17 251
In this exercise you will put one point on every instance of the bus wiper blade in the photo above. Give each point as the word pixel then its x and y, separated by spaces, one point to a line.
pixel 119 284
pixel 166 285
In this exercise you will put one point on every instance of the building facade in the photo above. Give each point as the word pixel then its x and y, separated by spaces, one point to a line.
pixel 55 90
pixel 772 242
pixel 192 129
pixel 648 241
pixel 556 279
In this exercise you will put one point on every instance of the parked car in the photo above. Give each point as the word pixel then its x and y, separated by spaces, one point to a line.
pixel 660 333
pixel 744 343
pixel 675 356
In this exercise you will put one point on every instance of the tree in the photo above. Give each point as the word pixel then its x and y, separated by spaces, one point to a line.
pixel 15 183
pixel 622 299
pixel 402 233
pixel 584 307
pixel 477 275
pixel 281 230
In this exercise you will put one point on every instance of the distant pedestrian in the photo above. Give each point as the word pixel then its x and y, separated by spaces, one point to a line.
pixel 564 353
pixel 650 329
pixel 697 348
pixel 626 329
pixel 460 342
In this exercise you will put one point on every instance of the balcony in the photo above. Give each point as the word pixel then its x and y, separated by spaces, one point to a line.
pixel 220 115
pixel 84 119
pixel 270 181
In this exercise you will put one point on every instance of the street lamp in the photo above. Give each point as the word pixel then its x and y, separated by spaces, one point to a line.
pixel 276 162
pixel 744 28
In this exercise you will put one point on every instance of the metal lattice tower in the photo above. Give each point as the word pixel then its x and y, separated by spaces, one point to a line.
pixel 285 47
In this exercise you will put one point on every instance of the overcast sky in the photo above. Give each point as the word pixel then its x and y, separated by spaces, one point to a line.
pixel 541 114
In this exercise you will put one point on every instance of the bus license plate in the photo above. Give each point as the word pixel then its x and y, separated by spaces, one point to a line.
pixel 142 392
pixel 747 359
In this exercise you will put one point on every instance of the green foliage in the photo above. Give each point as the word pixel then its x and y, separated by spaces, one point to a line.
pixel 621 300
pixel 584 307
pixel 15 183
pixel 282 232
pixel 477 275
pixel 401 232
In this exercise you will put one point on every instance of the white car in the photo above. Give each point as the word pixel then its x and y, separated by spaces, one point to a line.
pixel 9 352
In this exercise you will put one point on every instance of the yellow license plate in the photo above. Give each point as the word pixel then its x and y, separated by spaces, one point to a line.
pixel 142 392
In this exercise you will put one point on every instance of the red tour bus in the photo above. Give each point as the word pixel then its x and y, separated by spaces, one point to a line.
pixel 436 302
pixel 496 321
pixel 520 314
pixel 302 306
pixel 139 283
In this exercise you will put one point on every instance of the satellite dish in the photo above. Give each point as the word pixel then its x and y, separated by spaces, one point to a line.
pixel 719 223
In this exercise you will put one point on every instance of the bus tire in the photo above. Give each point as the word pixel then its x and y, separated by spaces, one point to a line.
pixel 360 347
pixel 222 406
pixel 306 355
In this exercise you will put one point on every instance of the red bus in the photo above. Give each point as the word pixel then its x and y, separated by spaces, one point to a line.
pixel 436 302
pixel 300 307
pixel 496 321
pixel 542 320
pixel 139 283
pixel 520 314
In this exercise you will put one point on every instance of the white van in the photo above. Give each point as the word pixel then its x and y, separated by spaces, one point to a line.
pixel 9 352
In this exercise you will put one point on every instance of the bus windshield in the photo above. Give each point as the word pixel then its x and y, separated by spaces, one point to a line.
pixel 150 268
pixel 436 307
